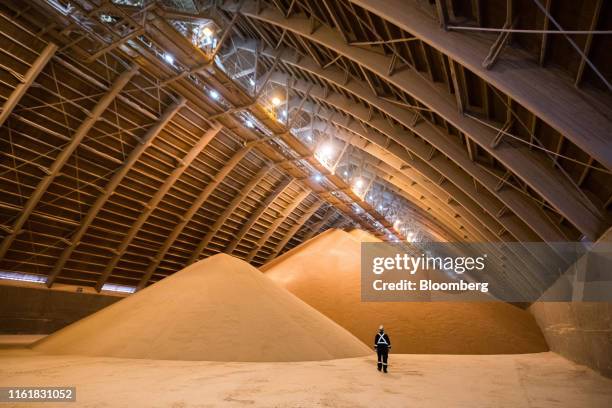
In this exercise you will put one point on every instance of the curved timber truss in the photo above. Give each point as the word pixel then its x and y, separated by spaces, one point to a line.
pixel 120 168
pixel 135 142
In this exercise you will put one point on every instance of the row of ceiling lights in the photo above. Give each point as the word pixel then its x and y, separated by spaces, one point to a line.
pixel 325 152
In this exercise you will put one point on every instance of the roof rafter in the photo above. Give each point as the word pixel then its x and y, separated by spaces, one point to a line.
pixel 193 209
pixel 242 194
pixel 61 159
pixel 153 203
pixel 280 218
pixel 112 185
pixel 560 193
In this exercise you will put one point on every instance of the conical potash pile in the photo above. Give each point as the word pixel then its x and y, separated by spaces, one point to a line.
pixel 218 309
pixel 325 273
pixel 364 236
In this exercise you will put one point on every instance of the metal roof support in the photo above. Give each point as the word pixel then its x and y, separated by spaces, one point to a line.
pixel 64 155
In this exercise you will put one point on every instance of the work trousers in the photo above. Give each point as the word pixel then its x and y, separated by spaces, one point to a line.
pixel 383 355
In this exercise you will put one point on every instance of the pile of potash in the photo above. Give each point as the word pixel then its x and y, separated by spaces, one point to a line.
pixel 218 309
pixel 325 273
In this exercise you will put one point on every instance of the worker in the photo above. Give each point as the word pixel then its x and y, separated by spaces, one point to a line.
pixel 382 344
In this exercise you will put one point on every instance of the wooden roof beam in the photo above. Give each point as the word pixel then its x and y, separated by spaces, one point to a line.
pixel 229 210
pixel 408 141
pixel 400 171
pixel 276 223
pixel 64 155
pixel 154 201
pixel 112 185
pixel 447 145
pixel 195 206
pixel 552 185
pixel 460 192
pixel 295 228
pixel 37 66
pixel 564 109
pixel 280 188
pixel 316 227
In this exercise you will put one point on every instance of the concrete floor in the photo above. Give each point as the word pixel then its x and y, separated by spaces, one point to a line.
pixel 450 381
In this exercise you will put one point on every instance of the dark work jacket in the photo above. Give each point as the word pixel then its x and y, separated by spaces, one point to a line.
pixel 380 339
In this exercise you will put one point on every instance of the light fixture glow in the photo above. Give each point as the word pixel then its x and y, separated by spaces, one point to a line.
pixel 214 94
pixel 318 178
pixel 251 82
pixel 248 123
pixel 118 288
pixel 359 183
pixel 169 58
pixel 326 151
pixel 276 101
pixel 208 33
pixel 25 277
pixel 345 173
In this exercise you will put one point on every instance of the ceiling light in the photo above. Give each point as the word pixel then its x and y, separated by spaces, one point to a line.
pixel 251 82
pixel 276 101
pixel 207 32
pixel 345 173
pixel 326 151
pixel 248 123
pixel 169 58
pixel 214 94
pixel 359 183
pixel 318 178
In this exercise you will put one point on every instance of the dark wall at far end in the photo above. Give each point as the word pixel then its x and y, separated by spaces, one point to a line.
pixel 34 310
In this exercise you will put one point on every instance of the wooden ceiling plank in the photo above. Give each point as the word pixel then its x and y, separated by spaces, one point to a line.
pixel 63 157
pixel 111 186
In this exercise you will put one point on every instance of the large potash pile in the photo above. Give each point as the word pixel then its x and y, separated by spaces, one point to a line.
pixel 364 236
pixel 325 273
pixel 218 309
